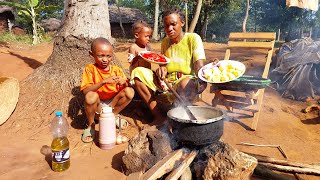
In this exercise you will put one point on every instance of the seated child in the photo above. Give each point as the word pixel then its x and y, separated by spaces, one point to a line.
pixel 142 32
pixel 103 83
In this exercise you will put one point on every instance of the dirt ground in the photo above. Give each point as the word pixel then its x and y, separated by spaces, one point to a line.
pixel 26 157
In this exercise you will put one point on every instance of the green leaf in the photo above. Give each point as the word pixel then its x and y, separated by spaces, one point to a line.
pixel 34 3
pixel 49 8
pixel 13 4
pixel 24 12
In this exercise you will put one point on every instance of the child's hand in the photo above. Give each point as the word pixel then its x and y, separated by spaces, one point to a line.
pixel 120 80
pixel 110 80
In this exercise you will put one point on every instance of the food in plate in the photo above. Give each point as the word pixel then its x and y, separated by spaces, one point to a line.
pixel 224 71
pixel 154 57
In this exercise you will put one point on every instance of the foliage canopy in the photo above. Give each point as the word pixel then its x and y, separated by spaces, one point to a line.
pixel 220 17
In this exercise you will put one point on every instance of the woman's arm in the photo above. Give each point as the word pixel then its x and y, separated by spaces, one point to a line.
pixel 198 65
pixel 161 72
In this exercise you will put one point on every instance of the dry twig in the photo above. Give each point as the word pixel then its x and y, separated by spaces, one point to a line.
pixel 263 145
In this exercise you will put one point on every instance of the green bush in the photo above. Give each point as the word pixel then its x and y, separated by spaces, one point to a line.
pixel 24 39
pixel 9 37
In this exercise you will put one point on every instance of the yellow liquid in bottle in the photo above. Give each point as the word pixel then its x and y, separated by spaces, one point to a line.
pixel 60 154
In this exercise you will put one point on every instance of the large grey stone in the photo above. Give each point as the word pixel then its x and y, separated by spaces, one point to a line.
pixel 147 148
pixel 221 161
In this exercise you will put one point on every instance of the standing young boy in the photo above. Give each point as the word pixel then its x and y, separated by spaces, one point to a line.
pixel 103 83
pixel 142 32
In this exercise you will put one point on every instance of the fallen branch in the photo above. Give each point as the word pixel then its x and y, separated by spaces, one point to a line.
pixel 265 159
pixel 262 171
pixel 264 145
pixel 291 169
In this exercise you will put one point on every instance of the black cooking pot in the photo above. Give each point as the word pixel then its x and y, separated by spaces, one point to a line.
pixel 207 129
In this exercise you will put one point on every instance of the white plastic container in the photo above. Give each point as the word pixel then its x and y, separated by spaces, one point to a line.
pixel 107 128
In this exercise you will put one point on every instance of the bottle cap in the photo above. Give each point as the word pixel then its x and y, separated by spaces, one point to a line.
pixel 106 109
pixel 58 113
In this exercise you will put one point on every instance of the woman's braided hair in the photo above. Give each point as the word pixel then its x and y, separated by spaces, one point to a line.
pixel 173 10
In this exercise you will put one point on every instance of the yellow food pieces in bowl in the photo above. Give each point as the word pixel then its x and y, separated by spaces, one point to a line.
pixel 226 71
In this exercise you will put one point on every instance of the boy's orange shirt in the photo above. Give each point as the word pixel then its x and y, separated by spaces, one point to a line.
pixel 93 75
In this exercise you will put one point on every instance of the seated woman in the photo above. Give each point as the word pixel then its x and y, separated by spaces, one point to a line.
pixel 187 56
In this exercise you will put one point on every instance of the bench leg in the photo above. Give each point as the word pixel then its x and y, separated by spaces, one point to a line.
pixel 257 114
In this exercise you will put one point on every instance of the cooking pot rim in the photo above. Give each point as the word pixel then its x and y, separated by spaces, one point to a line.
pixel 198 121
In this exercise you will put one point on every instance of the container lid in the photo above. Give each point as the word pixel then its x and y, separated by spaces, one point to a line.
pixel 58 113
pixel 106 109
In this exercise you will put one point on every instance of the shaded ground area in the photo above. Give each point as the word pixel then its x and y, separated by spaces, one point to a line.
pixel 24 154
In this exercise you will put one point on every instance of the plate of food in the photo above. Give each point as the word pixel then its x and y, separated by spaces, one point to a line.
pixel 153 57
pixel 222 72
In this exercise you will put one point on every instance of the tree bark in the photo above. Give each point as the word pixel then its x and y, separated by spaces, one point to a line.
pixel 205 21
pixel 186 15
pixel 55 85
pixel 244 24
pixel 121 26
pixel 87 19
pixel 156 22
pixel 35 35
pixel 196 16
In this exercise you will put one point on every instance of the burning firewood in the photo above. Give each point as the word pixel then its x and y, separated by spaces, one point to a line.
pixel 164 166
pixel 175 174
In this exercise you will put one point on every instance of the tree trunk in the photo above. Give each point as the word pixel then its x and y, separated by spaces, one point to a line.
pixel 156 23
pixel 35 35
pixel 84 19
pixel 244 24
pixel 186 15
pixel 121 26
pixel 196 16
pixel 205 21
pixel 204 30
pixel 55 85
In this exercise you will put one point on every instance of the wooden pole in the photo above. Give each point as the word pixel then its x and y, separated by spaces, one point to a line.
pixel 175 174
pixel 190 114
pixel 291 169
pixel 265 159
pixel 262 171
pixel 163 166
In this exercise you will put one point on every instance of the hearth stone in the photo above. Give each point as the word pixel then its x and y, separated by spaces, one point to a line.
pixel 222 161
pixel 215 161
pixel 147 148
